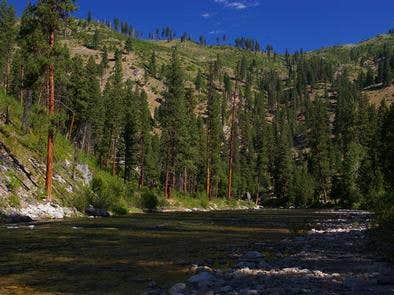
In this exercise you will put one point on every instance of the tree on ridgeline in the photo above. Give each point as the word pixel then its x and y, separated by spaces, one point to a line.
pixel 129 45
pixel 89 17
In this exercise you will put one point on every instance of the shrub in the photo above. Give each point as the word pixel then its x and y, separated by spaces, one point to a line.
pixel 149 200
pixel 14 201
pixel 384 210
pixel 107 191
pixel 120 208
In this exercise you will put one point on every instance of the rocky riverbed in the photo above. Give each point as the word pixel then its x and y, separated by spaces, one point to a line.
pixel 332 257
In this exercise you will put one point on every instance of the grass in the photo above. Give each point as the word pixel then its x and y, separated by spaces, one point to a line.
pixel 122 255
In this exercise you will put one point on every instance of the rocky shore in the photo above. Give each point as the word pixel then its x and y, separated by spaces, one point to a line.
pixel 331 258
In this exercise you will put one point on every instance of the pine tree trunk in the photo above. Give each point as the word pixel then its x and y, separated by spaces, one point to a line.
pixel 7 76
pixel 51 112
pixel 172 186
pixel 114 158
pixel 142 167
pixel 7 115
pixel 185 180
pixel 69 133
pixel 27 102
pixel 84 137
pixel 22 77
pixel 208 189
pixel 166 185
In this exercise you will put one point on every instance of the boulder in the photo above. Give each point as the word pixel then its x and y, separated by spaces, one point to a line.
pixel 16 218
pixel 91 211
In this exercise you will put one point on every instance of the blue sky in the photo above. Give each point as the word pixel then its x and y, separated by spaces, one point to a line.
pixel 292 24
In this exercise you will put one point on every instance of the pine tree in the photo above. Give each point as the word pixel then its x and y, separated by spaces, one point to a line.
pixel 198 81
pixel 387 145
pixel 262 147
pixel 152 67
pixel 89 17
pixel 104 61
pixel 247 134
pixel 96 39
pixel 130 141
pixel 282 158
pixel 319 138
pixel 49 15
pixel 7 41
pixel 145 127
pixel 302 187
pixel 129 45
pixel 214 136
pixel 172 122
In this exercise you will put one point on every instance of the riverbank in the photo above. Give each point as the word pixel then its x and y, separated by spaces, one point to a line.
pixel 39 211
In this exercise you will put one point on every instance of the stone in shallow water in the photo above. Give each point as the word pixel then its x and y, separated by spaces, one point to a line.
pixel 226 289
pixel 178 289
pixel 202 277
pixel 251 256
pixel 246 264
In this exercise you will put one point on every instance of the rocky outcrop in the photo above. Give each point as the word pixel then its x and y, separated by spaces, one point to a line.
pixel 37 211
pixel 21 176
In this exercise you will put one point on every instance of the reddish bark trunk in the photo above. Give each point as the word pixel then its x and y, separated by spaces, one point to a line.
pixel 51 112
pixel 166 185
pixel 208 189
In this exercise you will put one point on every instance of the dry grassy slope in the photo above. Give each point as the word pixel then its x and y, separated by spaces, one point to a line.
pixel 376 96
pixel 132 70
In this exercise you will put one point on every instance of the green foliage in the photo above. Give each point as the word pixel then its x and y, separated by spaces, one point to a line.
pixel 14 201
pixel 13 182
pixel 384 210
pixel 94 41
pixel 106 192
pixel 149 200
pixel 302 188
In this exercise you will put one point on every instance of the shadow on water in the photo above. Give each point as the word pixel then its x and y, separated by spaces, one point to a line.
pixel 122 255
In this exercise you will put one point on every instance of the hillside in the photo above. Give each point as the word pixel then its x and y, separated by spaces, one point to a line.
pixel 356 58
pixel 126 131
